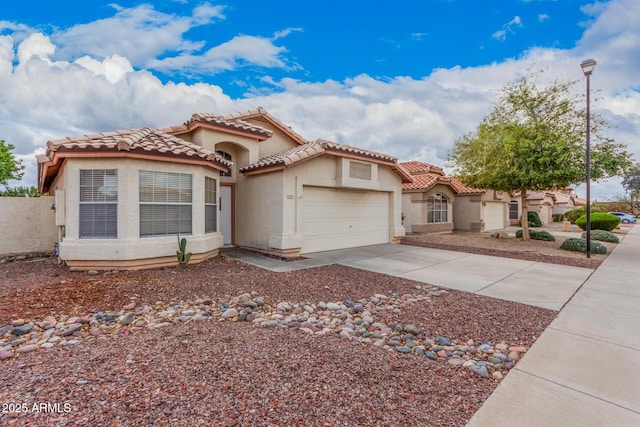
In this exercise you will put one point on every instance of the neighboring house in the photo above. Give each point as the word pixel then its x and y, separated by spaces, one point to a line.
pixel 243 179
pixel 436 203
pixel 545 203
pixel 565 201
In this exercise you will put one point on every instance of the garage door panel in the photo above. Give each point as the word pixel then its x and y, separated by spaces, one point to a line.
pixel 494 216
pixel 336 219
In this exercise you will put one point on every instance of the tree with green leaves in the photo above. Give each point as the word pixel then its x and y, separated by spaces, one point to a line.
pixel 534 140
pixel 21 192
pixel 10 167
pixel 631 184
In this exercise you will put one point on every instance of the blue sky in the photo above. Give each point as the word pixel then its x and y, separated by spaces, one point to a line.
pixel 407 79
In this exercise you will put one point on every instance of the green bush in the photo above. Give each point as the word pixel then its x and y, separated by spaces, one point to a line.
pixel 599 221
pixel 534 219
pixel 603 236
pixel 558 217
pixel 537 235
pixel 580 245
pixel 574 214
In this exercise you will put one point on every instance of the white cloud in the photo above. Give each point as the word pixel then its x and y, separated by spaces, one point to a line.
pixel 113 68
pixel 237 52
pixel 155 33
pixel 35 45
pixel 507 28
pixel 543 17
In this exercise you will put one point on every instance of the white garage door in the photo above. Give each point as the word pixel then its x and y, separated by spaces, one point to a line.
pixel 337 219
pixel 494 216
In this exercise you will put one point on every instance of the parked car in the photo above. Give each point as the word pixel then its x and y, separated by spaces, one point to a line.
pixel 625 218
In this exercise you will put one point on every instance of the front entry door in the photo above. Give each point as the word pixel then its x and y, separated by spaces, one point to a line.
pixel 226 214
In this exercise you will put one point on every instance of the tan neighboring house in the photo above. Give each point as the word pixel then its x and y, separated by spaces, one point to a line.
pixel 436 203
pixel 545 203
pixel 243 179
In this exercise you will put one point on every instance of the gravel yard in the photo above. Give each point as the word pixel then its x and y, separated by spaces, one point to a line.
pixel 238 373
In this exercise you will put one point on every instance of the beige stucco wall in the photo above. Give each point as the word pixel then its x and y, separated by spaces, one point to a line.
pixel 278 142
pixel 259 209
pixel 27 224
pixel 467 214
pixel 543 207
pixel 129 245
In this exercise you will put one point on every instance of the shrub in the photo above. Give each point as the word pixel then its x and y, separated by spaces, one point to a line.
pixel 534 219
pixel 558 217
pixel 599 221
pixel 537 235
pixel 574 214
pixel 580 245
pixel 603 236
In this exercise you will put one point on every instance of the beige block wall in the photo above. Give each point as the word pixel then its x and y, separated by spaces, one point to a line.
pixel 27 224
pixel 259 209
pixel 129 245
pixel 467 215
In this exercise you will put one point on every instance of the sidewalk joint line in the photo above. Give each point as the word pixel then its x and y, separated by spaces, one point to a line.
pixel 578 391
pixel 589 337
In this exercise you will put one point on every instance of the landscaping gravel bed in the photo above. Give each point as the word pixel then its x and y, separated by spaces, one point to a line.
pixel 223 371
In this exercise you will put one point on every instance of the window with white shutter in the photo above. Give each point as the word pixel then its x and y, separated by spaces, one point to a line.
pixel 98 204
pixel 165 203
pixel 210 205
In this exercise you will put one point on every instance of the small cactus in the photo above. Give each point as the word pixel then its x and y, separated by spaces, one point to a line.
pixel 183 256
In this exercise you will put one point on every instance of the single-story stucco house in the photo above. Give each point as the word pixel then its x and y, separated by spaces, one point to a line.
pixel 545 203
pixel 436 203
pixel 244 179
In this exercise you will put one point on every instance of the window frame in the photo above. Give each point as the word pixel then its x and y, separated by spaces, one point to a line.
pixel 166 209
pixel 437 208
pixel 210 205
pixel 228 157
pixel 102 208
pixel 516 211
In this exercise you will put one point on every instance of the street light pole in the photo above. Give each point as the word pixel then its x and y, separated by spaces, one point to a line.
pixel 587 68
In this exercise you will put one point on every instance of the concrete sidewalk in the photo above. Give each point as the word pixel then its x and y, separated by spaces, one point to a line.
pixel 528 282
pixel 584 370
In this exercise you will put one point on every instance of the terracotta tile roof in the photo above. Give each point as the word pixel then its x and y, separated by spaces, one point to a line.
pixel 417 168
pixel 261 113
pixel 426 175
pixel 287 157
pixel 540 195
pixel 312 149
pixel 143 142
pixel 319 147
pixel 561 197
pixel 579 201
pixel 228 122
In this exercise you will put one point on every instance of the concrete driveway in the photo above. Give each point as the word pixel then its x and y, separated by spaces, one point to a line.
pixel 534 283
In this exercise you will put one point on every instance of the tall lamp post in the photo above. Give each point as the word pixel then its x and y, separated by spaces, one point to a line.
pixel 587 68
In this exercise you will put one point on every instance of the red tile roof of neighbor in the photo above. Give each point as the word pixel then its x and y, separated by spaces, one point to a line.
pixel 143 143
pixel 540 195
pixel 318 147
pixel 426 175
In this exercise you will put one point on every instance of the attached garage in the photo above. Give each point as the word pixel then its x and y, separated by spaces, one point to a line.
pixel 494 216
pixel 336 218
